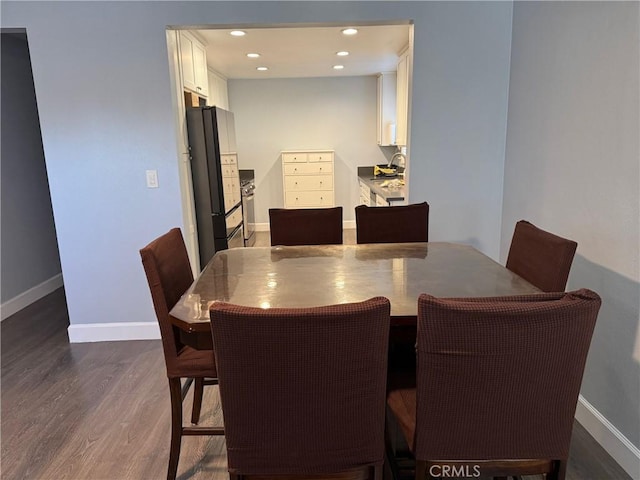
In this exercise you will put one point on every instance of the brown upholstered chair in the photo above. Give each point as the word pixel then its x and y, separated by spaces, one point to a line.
pixel 404 223
pixel 166 264
pixel 497 384
pixel 541 258
pixel 306 226
pixel 303 390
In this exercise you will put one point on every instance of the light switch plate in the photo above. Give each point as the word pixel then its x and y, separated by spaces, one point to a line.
pixel 152 179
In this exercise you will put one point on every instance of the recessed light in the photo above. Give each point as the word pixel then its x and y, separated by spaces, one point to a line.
pixel 253 55
pixel 237 33
pixel 349 31
pixel 342 54
pixel 262 69
pixel 338 67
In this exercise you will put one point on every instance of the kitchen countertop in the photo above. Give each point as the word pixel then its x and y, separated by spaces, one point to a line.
pixel 365 175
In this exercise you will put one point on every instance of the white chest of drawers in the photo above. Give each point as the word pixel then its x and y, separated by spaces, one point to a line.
pixel 307 177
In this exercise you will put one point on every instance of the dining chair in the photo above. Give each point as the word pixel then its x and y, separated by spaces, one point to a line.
pixel 303 389
pixel 398 224
pixel 496 386
pixel 540 257
pixel 166 265
pixel 305 226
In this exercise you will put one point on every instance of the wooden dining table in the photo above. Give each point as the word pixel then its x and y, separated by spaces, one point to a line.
pixel 308 276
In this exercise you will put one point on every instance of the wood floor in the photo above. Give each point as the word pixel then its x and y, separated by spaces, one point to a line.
pixel 101 410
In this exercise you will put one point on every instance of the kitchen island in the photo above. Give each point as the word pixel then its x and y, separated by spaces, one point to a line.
pixel 375 192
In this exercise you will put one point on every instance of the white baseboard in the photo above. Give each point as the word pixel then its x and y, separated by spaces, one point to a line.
pixel 625 453
pixel 26 298
pixel 264 227
pixel 112 332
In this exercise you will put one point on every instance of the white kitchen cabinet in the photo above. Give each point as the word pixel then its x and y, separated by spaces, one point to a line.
pixel 308 178
pixel 193 63
pixel 402 98
pixel 218 91
pixel 386 111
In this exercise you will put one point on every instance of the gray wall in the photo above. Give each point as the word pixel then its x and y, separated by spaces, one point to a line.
pixel 305 113
pixel 102 80
pixel 572 167
pixel 29 249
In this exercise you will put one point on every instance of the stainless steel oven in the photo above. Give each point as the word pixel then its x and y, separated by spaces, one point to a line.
pixel 247 188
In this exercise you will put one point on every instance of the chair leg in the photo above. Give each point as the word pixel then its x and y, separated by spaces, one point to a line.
pixel 198 390
pixel 175 390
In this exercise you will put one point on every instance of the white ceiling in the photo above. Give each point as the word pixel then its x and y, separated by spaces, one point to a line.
pixel 295 52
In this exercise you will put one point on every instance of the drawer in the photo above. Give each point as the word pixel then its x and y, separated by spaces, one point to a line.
pixel 320 157
pixel 308 168
pixel 308 182
pixel 229 159
pixel 231 199
pixel 381 202
pixel 234 219
pixel 294 157
pixel 229 170
pixel 365 200
pixel 230 185
pixel 308 199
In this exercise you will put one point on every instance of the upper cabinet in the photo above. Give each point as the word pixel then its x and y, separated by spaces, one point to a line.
pixel 386 134
pixel 218 91
pixel 193 62
pixel 402 98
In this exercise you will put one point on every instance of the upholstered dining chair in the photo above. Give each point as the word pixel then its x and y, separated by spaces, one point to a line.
pixel 497 384
pixel 166 264
pixel 303 389
pixel 306 226
pixel 540 257
pixel 398 224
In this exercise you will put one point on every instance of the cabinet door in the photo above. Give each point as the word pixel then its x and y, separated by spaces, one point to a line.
pixel 200 69
pixel 402 101
pixel 387 93
pixel 186 62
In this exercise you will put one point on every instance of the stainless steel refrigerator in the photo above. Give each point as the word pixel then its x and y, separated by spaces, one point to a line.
pixel 216 184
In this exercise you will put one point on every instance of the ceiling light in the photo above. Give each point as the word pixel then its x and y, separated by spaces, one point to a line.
pixel 349 31
pixel 253 55
pixel 342 54
pixel 262 69
pixel 338 67
pixel 237 33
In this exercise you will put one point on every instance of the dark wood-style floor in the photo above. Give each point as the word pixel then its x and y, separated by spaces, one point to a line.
pixel 101 410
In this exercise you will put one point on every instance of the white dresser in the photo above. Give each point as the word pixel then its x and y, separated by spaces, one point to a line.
pixel 307 177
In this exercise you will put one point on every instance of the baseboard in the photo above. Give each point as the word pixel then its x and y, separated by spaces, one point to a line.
pixel 264 227
pixel 625 453
pixel 111 332
pixel 26 298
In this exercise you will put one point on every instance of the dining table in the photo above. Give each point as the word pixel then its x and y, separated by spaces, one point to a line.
pixel 315 275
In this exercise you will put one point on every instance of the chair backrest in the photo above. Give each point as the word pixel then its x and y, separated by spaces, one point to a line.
pixel 302 390
pixel 306 226
pixel 540 257
pixel 403 223
pixel 499 378
pixel 166 264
